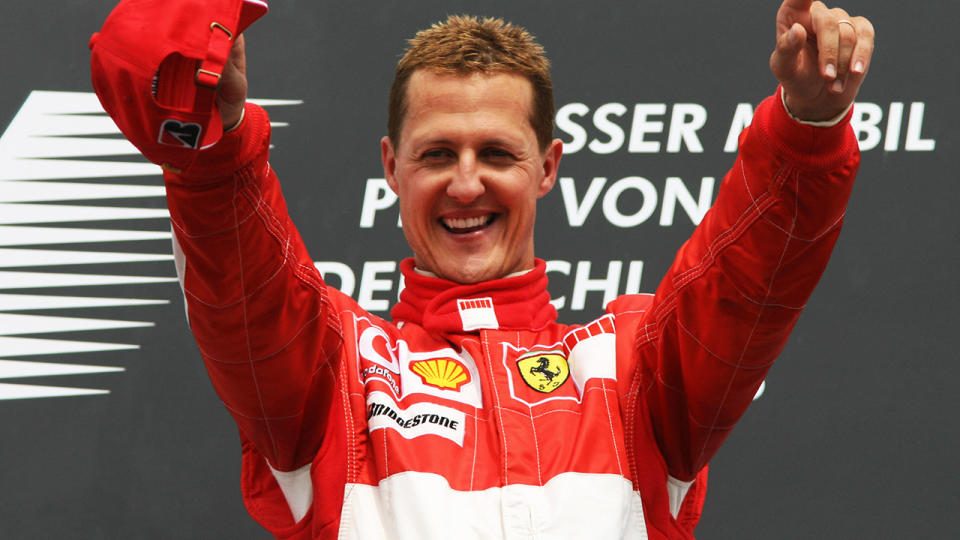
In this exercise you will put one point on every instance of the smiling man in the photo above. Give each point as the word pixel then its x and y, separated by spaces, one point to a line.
pixel 468 168
pixel 474 414
pixel 470 147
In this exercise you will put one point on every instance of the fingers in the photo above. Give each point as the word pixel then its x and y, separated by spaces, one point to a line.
pixel 860 56
pixel 821 58
pixel 238 56
pixel 863 52
pixel 844 44
pixel 826 28
pixel 847 40
pixel 783 61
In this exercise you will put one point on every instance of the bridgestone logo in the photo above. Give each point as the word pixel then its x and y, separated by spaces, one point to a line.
pixel 380 409
pixel 416 420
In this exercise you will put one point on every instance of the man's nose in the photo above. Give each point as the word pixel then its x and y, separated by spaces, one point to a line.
pixel 466 186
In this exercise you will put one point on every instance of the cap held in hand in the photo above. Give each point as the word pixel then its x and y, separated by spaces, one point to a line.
pixel 156 67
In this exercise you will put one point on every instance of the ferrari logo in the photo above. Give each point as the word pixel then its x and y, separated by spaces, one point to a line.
pixel 543 371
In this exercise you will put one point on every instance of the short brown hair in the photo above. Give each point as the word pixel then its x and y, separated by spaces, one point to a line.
pixel 463 45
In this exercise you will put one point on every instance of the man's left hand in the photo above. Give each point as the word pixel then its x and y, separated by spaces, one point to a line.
pixel 821 58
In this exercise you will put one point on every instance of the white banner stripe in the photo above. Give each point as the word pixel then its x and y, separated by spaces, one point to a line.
pixel 11 235
pixel 15 325
pixel 56 101
pixel 26 258
pixel 50 169
pixel 30 280
pixel 27 391
pixel 15 369
pixel 275 102
pixel 15 346
pixel 18 213
pixel 25 302
pixel 74 191
pixel 54 147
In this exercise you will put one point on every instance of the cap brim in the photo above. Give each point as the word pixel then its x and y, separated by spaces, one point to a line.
pixel 250 12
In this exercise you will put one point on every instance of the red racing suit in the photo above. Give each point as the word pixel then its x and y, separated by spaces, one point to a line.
pixel 475 414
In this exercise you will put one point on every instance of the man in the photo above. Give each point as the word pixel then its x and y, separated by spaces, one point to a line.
pixel 474 414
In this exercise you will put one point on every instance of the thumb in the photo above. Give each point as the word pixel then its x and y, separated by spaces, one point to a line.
pixel 233 85
pixel 784 61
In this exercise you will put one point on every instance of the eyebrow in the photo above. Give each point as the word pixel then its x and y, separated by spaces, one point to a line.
pixel 495 141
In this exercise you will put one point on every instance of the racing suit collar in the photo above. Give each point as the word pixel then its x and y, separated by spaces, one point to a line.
pixel 519 302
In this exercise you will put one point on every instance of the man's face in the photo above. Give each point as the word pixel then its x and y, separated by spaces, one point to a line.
pixel 468 171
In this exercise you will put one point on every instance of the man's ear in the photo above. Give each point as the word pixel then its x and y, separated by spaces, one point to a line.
pixel 551 163
pixel 389 159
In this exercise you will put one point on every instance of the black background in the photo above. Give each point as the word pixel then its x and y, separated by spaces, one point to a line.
pixel 855 436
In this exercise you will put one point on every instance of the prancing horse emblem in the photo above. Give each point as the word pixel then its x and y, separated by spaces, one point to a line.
pixel 543 371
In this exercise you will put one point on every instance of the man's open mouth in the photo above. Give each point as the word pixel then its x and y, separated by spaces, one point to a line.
pixel 463 225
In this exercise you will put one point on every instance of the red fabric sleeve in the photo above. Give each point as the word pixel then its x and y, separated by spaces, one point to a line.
pixel 257 306
pixel 724 310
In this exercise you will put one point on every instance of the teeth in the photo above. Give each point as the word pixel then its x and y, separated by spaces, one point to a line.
pixel 466 223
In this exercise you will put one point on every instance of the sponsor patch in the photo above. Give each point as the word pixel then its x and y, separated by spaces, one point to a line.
pixel 375 346
pixel 176 133
pixel 543 371
pixel 438 373
pixel 416 420
pixel 382 374
pixel 539 375
pixel 477 313
pixel 592 351
pixel 387 364
pixel 378 359
pixel 599 327
pixel 443 373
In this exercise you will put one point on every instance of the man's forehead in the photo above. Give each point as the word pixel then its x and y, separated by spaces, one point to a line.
pixel 469 90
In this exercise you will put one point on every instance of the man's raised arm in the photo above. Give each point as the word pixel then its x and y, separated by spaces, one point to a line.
pixel 257 306
pixel 725 309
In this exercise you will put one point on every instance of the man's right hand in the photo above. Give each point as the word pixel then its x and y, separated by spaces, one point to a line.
pixel 821 58
pixel 232 93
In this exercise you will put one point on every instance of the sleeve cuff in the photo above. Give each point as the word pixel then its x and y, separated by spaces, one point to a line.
pixel 243 112
pixel 783 99
pixel 239 147
pixel 807 146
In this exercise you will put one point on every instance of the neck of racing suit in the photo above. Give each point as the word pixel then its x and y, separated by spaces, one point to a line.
pixel 520 302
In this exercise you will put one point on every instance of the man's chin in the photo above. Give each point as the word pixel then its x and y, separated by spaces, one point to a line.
pixel 467 276
pixel 467 273
pixel 473 266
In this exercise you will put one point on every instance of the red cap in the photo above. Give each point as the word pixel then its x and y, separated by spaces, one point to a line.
pixel 156 66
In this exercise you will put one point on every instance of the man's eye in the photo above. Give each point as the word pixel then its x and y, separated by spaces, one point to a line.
pixel 497 154
pixel 435 154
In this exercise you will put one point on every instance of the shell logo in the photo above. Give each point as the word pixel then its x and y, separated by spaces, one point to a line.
pixel 443 373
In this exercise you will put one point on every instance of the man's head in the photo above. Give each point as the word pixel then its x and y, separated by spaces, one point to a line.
pixel 464 45
pixel 469 150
